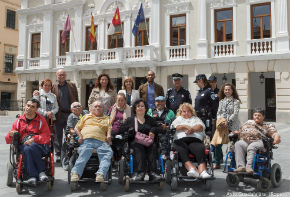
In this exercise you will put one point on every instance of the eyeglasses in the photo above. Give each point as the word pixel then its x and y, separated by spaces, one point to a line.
pixel 140 106
pixel 77 106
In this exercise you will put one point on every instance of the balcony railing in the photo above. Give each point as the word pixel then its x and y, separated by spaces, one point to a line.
pixel 174 53
pixel 261 46
pixel 223 49
pixel 60 61
pixel 33 62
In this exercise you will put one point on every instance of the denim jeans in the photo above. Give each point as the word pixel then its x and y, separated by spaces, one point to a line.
pixel 85 151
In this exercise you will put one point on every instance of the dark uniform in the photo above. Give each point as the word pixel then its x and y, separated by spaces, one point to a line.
pixel 175 98
pixel 215 101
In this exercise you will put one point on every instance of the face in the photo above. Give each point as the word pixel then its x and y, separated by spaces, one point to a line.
pixel 177 83
pixel 30 108
pixel 140 108
pixel 258 118
pixel 104 81
pixel 186 113
pixel 77 109
pixel 128 84
pixel 61 76
pixel 150 76
pixel 212 84
pixel 200 83
pixel 46 86
pixel 97 109
pixel 228 91
pixel 160 104
pixel 121 101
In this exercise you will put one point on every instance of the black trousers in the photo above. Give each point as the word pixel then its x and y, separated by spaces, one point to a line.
pixel 187 145
pixel 143 154
pixel 60 125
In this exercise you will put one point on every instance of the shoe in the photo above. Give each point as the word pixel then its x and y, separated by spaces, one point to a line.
pixel 192 173
pixel 204 175
pixel 216 166
pixel 154 177
pixel 249 170
pixel 31 181
pixel 74 177
pixel 57 159
pixel 240 169
pixel 100 178
pixel 43 177
pixel 139 177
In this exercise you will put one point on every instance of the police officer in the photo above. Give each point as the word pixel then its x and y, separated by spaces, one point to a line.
pixel 212 80
pixel 203 102
pixel 177 95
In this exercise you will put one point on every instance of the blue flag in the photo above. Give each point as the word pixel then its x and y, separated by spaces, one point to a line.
pixel 140 19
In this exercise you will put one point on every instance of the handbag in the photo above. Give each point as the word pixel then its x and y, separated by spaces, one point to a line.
pixel 142 138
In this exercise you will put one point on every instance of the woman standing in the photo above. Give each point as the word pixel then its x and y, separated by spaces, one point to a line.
pixel 128 89
pixel 229 106
pixel 48 102
pixel 104 92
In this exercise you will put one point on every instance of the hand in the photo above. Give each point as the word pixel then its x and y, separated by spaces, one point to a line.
pixel 188 132
pixel 235 132
pixel 80 140
pixel 109 139
pixel 36 93
pixel 151 134
pixel 29 142
pixel 276 139
pixel 49 114
pixel 11 133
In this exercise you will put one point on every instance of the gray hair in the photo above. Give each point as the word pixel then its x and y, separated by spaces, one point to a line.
pixel 95 102
pixel 74 103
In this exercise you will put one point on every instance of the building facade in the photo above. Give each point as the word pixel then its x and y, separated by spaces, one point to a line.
pixel 241 42
pixel 8 53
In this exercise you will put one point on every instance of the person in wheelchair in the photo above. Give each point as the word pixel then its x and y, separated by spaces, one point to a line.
pixel 189 138
pixel 94 132
pixel 145 125
pixel 163 116
pixel 34 137
pixel 75 116
pixel 250 140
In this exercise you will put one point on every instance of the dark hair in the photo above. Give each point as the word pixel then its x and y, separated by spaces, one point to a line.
pixel 134 106
pixel 222 95
pixel 109 86
pixel 33 100
pixel 206 83
pixel 259 110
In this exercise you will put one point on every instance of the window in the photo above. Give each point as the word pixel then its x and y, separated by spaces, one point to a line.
pixel 177 30
pixel 64 47
pixel 224 25
pixel 141 38
pixel 10 19
pixel 35 45
pixel 8 63
pixel 261 21
pixel 89 45
pixel 116 40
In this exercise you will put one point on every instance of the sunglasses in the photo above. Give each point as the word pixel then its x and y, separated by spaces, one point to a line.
pixel 77 106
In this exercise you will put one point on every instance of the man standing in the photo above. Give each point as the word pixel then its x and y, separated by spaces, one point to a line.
pixel 150 90
pixel 66 93
pixel 212 80
pixel 177 95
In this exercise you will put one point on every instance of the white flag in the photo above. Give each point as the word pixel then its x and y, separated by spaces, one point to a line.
pixel 111 29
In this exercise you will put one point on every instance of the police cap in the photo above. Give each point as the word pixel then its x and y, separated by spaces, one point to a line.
pixel 212 78
pixel 198 77
pixel 177 76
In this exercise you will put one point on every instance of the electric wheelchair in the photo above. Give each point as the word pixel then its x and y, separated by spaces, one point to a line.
pixel 16 170
pixel 175 171
pixel 265 174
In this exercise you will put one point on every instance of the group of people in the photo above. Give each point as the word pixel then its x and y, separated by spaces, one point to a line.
pixel 146 110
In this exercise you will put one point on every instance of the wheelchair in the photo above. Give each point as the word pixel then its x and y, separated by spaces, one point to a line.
pixel 16 170
pixel 126 165
pixel 90 170
pixel 175 171
pixel 265 174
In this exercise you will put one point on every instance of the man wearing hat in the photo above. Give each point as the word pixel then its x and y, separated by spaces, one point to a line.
pixel 177 95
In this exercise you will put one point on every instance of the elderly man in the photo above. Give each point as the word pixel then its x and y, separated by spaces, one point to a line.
pixel 251 140
pixel 75 116
pixel 94 132
pixel 34 135
pixel 150 90
pixel 66 93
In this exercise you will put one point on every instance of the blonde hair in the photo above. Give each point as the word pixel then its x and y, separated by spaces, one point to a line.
pixel 127 79
pixel 187 105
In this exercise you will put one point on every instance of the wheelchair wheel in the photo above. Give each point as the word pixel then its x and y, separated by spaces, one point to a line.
pixel 19 188
pixel 103 186
pixel 207 185
pixel 9 180
pixel 263 184
pixel 121 171
pixel 73 186
pixel 168 166
pixel 50 185
pixel 276 175
pixel 127 184
pixel 174 183
pixel 232 180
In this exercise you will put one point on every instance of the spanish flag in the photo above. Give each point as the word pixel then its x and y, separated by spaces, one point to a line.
pixel 92 31
pixel 115 21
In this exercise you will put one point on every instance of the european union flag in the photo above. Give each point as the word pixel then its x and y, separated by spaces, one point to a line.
pixel 140 19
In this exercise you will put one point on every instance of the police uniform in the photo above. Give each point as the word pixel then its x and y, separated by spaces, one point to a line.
pixel 203 103
pixel 215 101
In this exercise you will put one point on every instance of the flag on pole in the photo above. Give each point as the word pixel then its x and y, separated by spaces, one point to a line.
pixel 92 31
pixel 115 21
pixel 66 28
pixel 139 19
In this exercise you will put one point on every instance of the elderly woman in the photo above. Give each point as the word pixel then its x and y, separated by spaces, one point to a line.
pixel 189 139
pixel 48 102
pixel 251 140
pixel 148 126
pixel 128 89
pixel 104 92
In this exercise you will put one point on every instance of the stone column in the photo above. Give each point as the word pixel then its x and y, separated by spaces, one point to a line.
pixel 202 41
pixel 154 29
pixel 282 80
pixel 78 28
pixel 46 2
pixel 101 34
pixel 282 34
pixel 22 46
pixel 127 28
pixel 46 40
pixel 242 86
pixel 24 4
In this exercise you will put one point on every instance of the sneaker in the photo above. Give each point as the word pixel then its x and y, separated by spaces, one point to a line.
pixel 99 178
pixel 31 181
pixel 249 170
pixel 74 177
pixel 192 173
pixel 240 169
pixel 43 177
pixel 204 175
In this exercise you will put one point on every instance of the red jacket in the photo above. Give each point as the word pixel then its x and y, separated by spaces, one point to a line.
pixel 37 125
